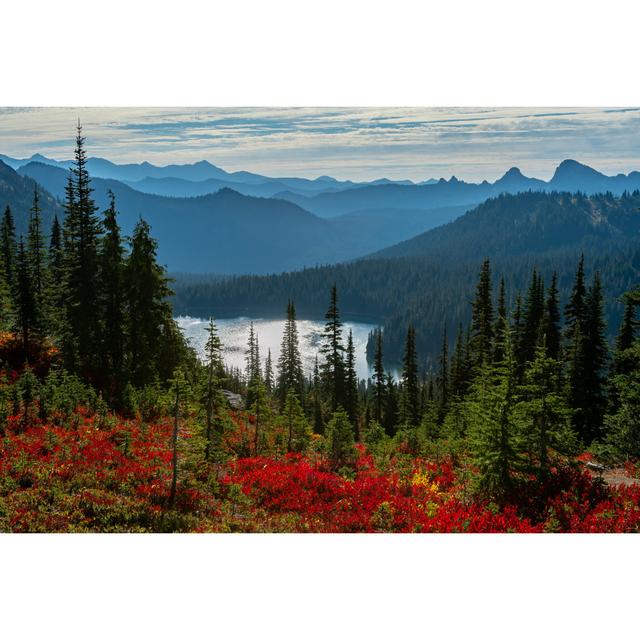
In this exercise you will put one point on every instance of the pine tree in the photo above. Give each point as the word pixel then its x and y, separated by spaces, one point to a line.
pixel 56 278
pixel 379 384
pixel 532 316
pixel 489 410
pixel 27 318
pixel 542 411
pixel 290 375
pixel 317 400
pixel 351 381
pixel 268 373
pixel 458 369
pixel 482 318
pixel 148 318
pixel 443 377
pixel 575 309
pixel 596 356
pixel 551 320
pixel 410 383
pixel 252 359
pixel 332 350
pixel 112 312
pixel 340 440
pixel 8 248
pixel 81 339
pixel 390 413
pixel 214 369
pixel 37 257
pixel 298 430
pixel 501 324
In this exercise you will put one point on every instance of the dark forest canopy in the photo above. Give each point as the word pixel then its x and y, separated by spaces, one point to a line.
pixel 430 282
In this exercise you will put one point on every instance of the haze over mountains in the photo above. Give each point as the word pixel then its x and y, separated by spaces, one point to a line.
pixel 208 220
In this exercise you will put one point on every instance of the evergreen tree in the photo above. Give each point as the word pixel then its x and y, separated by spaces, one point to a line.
pixel 443 377
pixel 532 316
pixel 351 381
pixel 8 248
pixel 489 410
pixel 459 368
pixel 252 359
pixel 501 324
pixel 333 368
pixel 290 375
pixel 27 316
pixel 56 278
pixel 551 320
pixel 317 401
pixel 575 309
pixel 482 318
pixel 298 430
pixel 542 411
pixel 340 440
pixel 81 337
pixel 379 384
pixel 410 383
pixel 390 413
pixel 596 356
pixel 149 320
pixel 38 260
pixel 112 312
pixel 268 373
pixel 214 370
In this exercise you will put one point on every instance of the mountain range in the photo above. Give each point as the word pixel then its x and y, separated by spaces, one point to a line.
pixel 209 220
pixel 226 232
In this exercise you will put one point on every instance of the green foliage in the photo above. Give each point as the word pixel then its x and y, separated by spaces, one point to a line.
pixel 493 428
pixel 340 440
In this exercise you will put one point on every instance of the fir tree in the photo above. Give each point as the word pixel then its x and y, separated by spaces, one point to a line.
pixel 443 377
pixel 351 382
pixel 596 355
pixel 149 313
pixel 27 317
pixel 81 337
pixel 482 318
pixel 268 373
pixel 290 375
pixel 340 440
pixel 551 320
pixel 390 413
pixel 8 248
pixel 489 410
pixel 542 411
pixel 298 430
pixel 38 259
pixel 532 316
pixel 379 385
pixel 501 324
pixel 214 368
pixel 410 383
pixel 112 310
pixel 333 352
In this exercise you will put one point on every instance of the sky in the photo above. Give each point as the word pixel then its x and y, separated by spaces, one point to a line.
pixel 347 143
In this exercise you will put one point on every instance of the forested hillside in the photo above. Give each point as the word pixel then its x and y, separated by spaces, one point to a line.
pixel 16 192
pixel 432 286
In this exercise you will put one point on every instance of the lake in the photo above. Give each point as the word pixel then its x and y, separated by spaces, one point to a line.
pixel 234 333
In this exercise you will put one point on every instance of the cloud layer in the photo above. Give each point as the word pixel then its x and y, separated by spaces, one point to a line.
pixel 354 143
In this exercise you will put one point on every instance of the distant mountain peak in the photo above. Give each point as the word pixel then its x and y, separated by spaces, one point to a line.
pixel 570 168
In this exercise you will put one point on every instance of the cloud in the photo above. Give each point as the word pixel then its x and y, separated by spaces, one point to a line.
pixel 356 143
